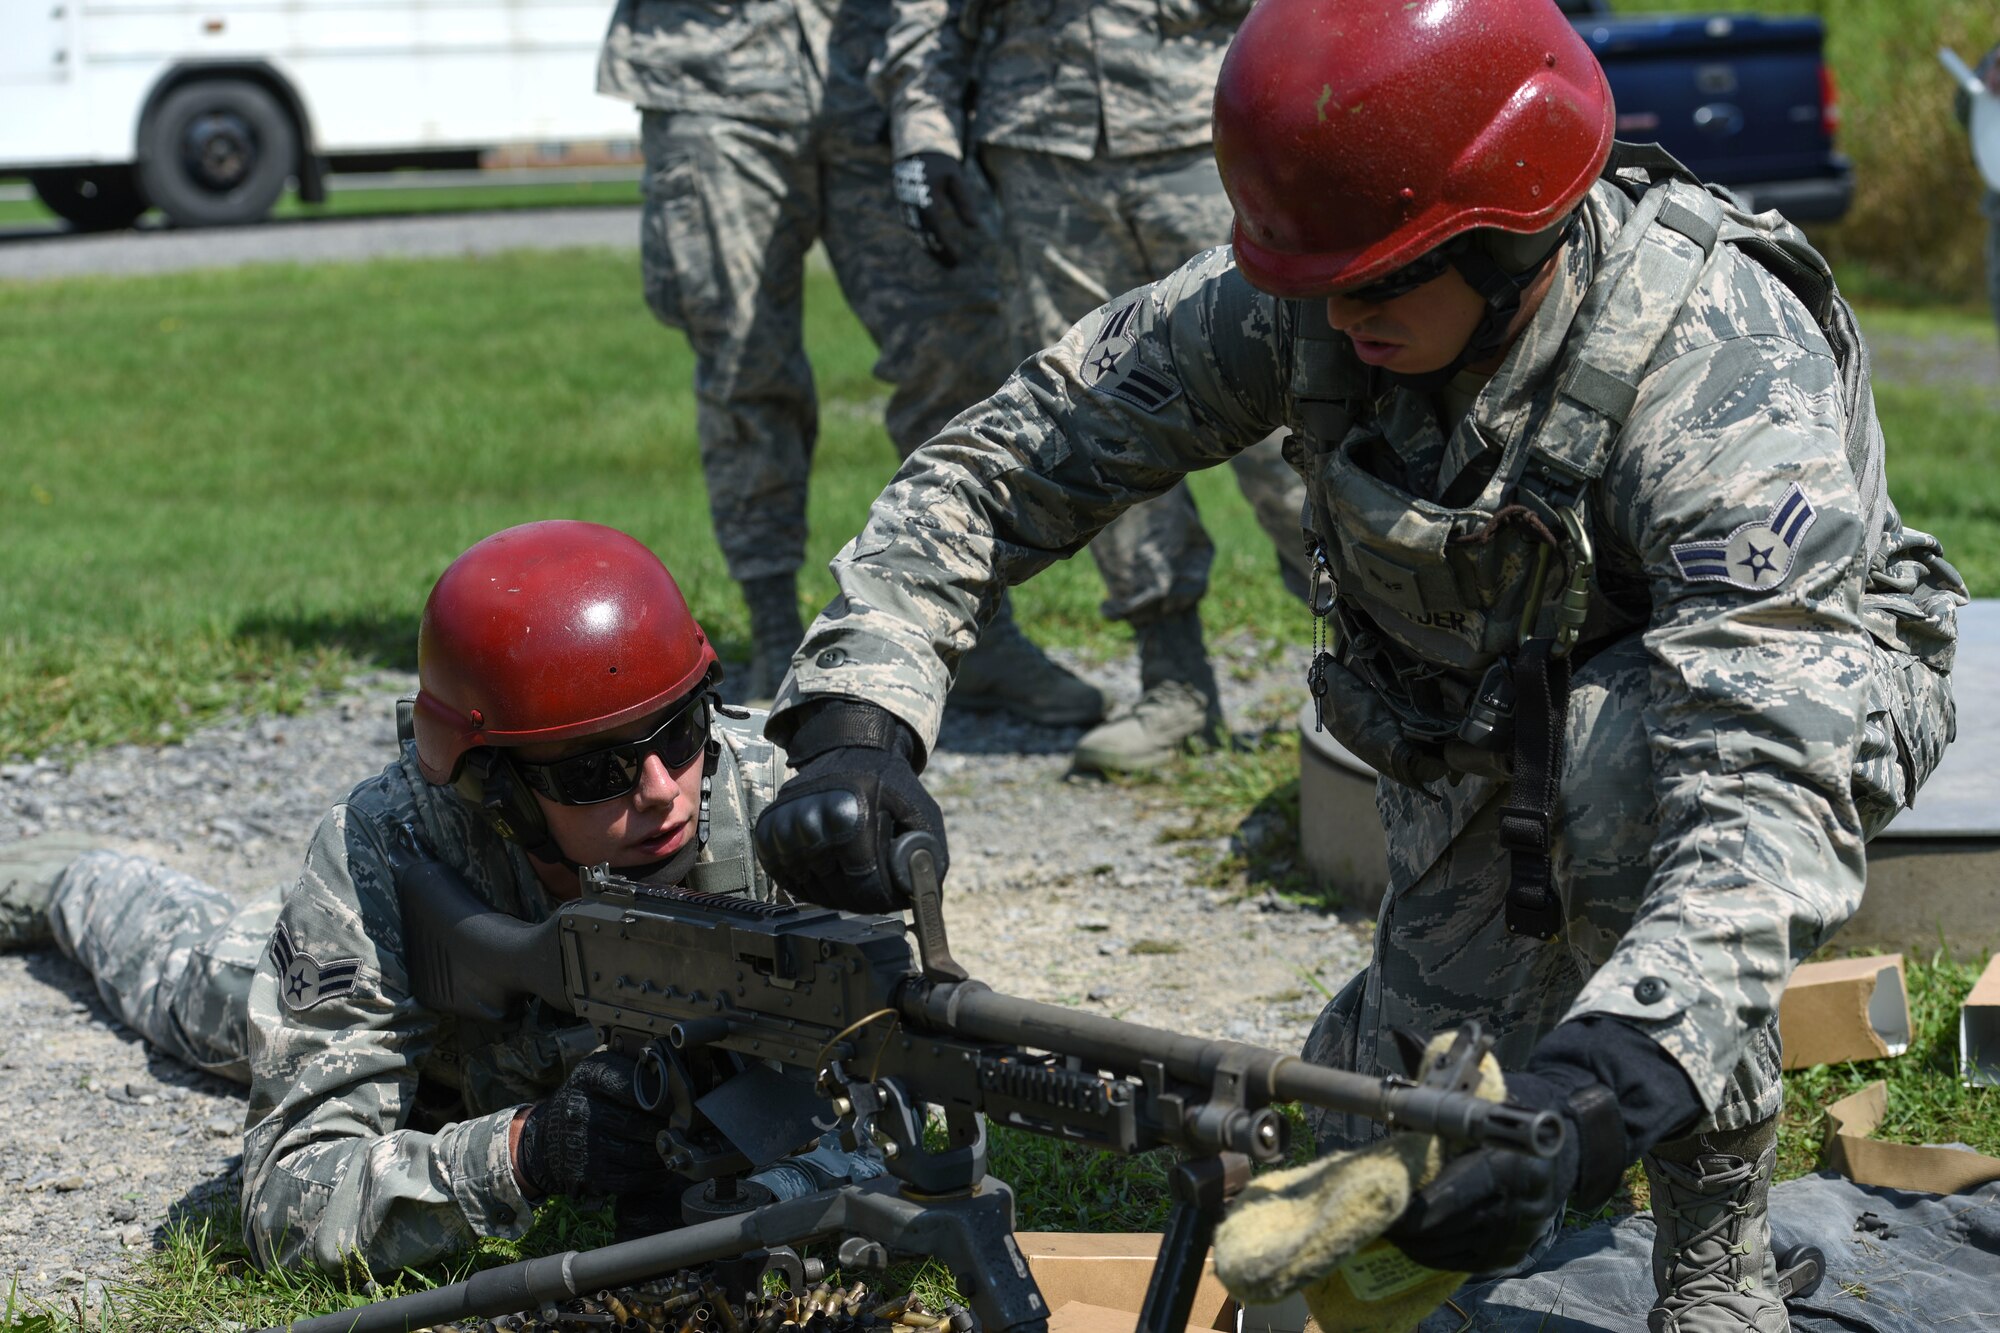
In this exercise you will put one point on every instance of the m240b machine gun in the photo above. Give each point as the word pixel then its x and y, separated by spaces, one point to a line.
pixel 758 1026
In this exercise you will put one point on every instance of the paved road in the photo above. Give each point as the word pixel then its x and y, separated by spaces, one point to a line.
pixel 19 191
pixel 40 253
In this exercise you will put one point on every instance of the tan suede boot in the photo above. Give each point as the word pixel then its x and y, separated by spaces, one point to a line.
pixel 1713 1268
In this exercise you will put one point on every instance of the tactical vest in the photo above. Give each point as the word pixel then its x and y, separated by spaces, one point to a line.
pixel 1452 614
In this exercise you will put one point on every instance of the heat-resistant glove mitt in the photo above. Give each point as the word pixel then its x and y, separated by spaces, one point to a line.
pixel 1318 1228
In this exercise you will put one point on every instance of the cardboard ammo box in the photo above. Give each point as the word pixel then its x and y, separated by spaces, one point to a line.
pixel 1848 1009
pixel 1106 1272
pixel 1979 1031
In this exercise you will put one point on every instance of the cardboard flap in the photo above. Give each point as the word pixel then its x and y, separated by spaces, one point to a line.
pixel 1847 1009
pixel 1077 1317
pixel 1898 1166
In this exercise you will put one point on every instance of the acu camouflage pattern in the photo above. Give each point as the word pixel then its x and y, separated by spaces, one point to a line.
pixel 1731 750
pixel 377 1128
pixel 1093 121
pixel 760 138
pixel 1071 78
pixel 1073 233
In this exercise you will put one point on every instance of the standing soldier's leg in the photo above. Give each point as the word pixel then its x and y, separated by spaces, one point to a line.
pixel 171 956
pixel 730 210
pixel 1068 252
pixel 1176 206
pixel 943 344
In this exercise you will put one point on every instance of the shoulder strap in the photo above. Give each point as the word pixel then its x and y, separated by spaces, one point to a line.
pixel 1646 278
pixel 1327 383
pixel 1784 252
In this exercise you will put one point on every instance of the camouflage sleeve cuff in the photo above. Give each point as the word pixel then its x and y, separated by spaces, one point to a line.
pixel 907 682
pixel 1658 988
pixel 926 130
pixel 479 1169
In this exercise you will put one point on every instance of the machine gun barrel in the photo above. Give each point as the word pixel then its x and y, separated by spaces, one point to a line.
pixel 970 1009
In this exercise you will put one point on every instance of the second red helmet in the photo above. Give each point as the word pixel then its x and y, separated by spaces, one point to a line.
pixel 546 632
pixel 1355 135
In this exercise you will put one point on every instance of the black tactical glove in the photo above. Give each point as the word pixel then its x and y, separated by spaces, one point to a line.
pixel 922 182
pixel 590 1136
pixel 1618 1094
pixel 825 837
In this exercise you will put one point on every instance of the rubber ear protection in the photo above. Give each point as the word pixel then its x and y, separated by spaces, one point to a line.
pixel 487 784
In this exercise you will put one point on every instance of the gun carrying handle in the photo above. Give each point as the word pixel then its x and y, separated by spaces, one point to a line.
pixel 913 864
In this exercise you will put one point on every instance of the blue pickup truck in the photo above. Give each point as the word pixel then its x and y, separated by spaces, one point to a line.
pixel 1744 101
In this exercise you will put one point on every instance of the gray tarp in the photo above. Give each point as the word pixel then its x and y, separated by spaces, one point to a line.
pixel 1925 1263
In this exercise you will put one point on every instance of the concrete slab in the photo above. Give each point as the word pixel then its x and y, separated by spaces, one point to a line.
pixel 1962 799
pixel 1933 874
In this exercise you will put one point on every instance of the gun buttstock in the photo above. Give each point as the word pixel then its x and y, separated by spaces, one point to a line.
pixel 466 958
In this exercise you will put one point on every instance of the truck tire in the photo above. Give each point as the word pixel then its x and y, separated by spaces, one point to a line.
pixel 90 198
pixel 216 152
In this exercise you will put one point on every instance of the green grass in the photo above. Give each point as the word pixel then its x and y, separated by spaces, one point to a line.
pixel 1927 1103
pixel 202 1277
pixel 364 202
pixel 226 489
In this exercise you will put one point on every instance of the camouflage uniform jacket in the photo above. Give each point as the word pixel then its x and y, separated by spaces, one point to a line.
pixel 1758 693
pixel 377 1126
pixel 1068 77
pixel 777 62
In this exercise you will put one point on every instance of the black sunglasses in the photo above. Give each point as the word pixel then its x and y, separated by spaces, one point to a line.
pixel 607 773
pixel 1426 267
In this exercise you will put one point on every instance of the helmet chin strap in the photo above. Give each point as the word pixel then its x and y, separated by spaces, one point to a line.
pixel 1501 286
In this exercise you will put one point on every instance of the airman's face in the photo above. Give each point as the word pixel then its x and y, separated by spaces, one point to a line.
pixel 1422 330
pixel 654 820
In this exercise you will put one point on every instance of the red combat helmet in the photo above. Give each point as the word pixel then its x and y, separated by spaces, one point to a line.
pixel 546 632
pixel 1355 135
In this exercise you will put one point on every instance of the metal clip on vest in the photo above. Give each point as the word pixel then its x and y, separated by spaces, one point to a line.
pixel 1575 605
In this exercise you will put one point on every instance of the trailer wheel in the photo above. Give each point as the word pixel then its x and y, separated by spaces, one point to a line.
pixel 90 198
pixel 216 152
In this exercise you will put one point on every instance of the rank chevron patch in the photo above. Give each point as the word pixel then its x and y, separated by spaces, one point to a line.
pixel 1756 556
pixel 1111 366
pixel 303 981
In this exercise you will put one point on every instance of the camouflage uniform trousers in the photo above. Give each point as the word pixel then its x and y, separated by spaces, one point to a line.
pixel 1078 233
pixel 1443 953
pixel 172 957
pixel 731 209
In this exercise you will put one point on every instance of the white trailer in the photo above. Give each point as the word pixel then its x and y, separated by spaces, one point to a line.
pixel 206 108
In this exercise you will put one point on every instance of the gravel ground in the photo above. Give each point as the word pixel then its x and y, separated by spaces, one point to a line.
pixel 43 254
pixel 1060 890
